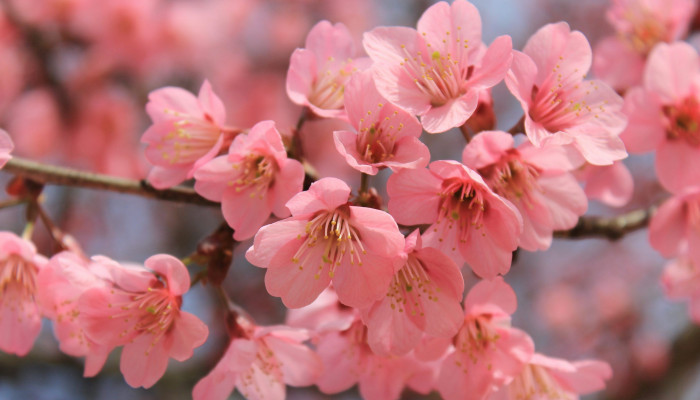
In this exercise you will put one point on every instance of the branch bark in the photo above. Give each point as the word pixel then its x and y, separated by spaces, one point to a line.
pixel 610 228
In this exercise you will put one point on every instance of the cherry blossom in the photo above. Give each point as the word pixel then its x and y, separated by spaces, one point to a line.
pixel 675 227
pixel 438 70
pixel 325 240
pixel 253 180
pixel 681 281
pixel 612 185
pixel 560 107
pixel 6 147
pixel 20 319
pixel 140 310
pixel 469 222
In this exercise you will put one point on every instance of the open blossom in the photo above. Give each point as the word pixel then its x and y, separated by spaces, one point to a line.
pixel 469 222
pixel 560 107
pixel 612 185
pixel 386 136
pixel 487 351
pixel 438 70
pixel 533 179
pixel 325 240
pixel 253 180
pixel 675 227
pixel 140 310
pixel 187 132
pixel 260 364
pixel 640 25
pixel 424 296
pixel 664 115
pixel 318 73
pixel 64 278
pixel 6 147
pixel 553 378
pixel 20 319
pixel 681 281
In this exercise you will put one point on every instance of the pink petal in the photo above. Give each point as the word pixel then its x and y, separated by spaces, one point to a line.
pixel 171 99
pixel 413 198
pixel 491 296
pixel 271 238
pixel 346 144
pixel 494 65
pixel 360 285
pixel 521 78
pixel 300 76
pixel 611 184
pixel 95 360
pixel 143 361
pixel 300 366
pixel 217 385
pixel 324 194
pixel 564 198
pixel 410 153
pixel 617 63
pixel 326 40
pixel 677 165
pixel 670 70
pixel 451 115
pixel 486 148
pixel 188 333
pixel 164 178
pixel 211 178
pixel 645 128
pixel 245 212
pixel 20 321
pixel 441 24
pixel 335 350
pixel 173 270
pixel 211 104
pixel 288 182
pixel 554 45
pixel 389 330
pixel 378 231
pixel 667 227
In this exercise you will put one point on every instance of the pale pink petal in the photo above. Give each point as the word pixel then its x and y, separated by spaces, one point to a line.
pixel 217 385
pixel 164 178
pixel 389 330
pixel 494 65
pixel 271 238
pixel 324 194
pixel 667 227
pixel 598 147
pixel 589 376
pixel 378 231
pixel 610 184
pixel 564 198
pixel 491 296
pixel 20 321
pixel 300 366
pixel 211 178
pixel 346 144
pixel 300 76
pixel 245 212
pixel 451 115
pixel 409 153
pixel 670 70
pixel 211 104
pixel 188 333
pixel 645 128
pixel 617 63
pixel 441 24
pixel 521 78
pixel 413 198
pixel 143 363
pixel 6 147
pixel 171 99
pixel 95 360
pixel 677 165
pixel 361 284
pixel 326 40
pixel 486 148
pixel 173 270
pixel 288 182
pixel 341 361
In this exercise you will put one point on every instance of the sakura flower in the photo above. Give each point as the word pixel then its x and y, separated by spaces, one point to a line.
pixel 325 314
pixel 386 136
pixel 260 364
pixel 664 115
pixel 424 296
pixel 560 107
pixel 675 227
pixel 253 180
pixel 325 240
pixel 534 180
pixel 640 25
pixel 469 221
pixel 439 70
pixel 318 73
pixel 552 378
pixel 140 310
pixel 612 185
pixel 681 281
pixel 63 280
pixel 6 147
pixel 20 319
pixel 487 351
pixel 187 132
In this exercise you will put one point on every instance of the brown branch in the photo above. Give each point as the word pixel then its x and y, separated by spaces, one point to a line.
pixel 49 174
pixel 611 228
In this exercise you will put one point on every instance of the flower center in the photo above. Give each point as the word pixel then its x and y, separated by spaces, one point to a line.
pixel 646 30
pixel 440 76
pixel 328 89
pixel 331 234
pixel 683 121
pixel 462 207
pixel 511 177
pixel 534 382
pixel 190 139
pixel 17 272
pixel 409 285
pixel 561 104
pixel 255 172
pixel 475 337
pixel 376 141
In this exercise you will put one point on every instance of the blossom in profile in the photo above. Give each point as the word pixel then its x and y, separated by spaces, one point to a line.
pixel 20 317
pixel 255 179
pixel 385 135
pixel 438 70
pixel 469 222
pixel 187 132
pixel 260 364
pixel 674 229
pixel 561 108
pixel 318 73
pixel 327 239
pixel 535 180
pixel 553 378
pixel 6 147
pixel 664 115
pixel 139 309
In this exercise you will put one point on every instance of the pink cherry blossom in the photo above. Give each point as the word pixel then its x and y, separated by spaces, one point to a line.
pixel 424 296
pixel 553 378
pixel 325 314
pixel 255 179
pixel 469 222
pixel 681 281
pixel 6 147
pixel 612 185
pixel 62 281
pixel 260 364
pixel 533 179
pixel 140 310
pixel 20 319
pixel 560 107
pixel 325 240
pixel 187 132
pixel 664 115
pixel 675 227
pixel 487 351
pixel 385 135
pixel 318 73
pixel 438 70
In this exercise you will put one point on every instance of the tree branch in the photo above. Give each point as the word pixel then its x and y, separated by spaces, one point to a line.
pixel 611 228
pixel 49 174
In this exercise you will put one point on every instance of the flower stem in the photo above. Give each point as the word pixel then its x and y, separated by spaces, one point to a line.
pixel 364 184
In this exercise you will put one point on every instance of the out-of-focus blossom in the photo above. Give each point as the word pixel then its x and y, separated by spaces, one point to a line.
pixel 612 185
pixel 675 227
pixel 319 151
pixel 140 310
pixel 640 25
pixel 35 121
pixel 325 240
pixel 6 147
pixel 318 74
pixel 20 319
pixel 469 222
pixel 187 132
pixel 561 108
pixel 664 115
pixel 681 281
pixel 253 180
pixel 438 70
pixel 385 135
pixel 534 179
pixel 424 296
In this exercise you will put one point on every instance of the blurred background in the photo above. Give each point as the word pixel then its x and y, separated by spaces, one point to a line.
pixel 74 80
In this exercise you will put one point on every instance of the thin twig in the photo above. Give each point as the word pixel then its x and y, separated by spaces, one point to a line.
pixel 611 228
